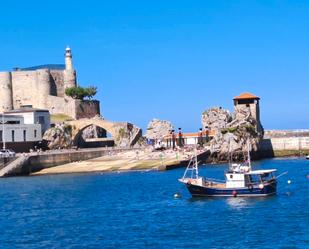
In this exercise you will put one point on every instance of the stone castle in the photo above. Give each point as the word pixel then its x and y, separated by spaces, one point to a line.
pixel 44 87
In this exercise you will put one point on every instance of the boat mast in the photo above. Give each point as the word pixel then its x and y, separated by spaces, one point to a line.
pixel 193 167
pixel 249 148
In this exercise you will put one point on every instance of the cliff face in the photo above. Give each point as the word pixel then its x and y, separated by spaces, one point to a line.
pixel 233 133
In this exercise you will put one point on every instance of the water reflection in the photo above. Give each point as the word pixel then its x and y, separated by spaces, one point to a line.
pixel 238 203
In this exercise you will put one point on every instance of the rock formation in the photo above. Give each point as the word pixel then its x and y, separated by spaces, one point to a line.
pixel 232 133
pixel 58 137
pixel 93 131
pixel 157 129
pixel 128 135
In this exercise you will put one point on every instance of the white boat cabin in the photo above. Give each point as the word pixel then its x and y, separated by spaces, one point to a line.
pixel 244 179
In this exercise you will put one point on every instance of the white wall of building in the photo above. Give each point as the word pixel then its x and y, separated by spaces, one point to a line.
pixel 21 133
pixel 35 117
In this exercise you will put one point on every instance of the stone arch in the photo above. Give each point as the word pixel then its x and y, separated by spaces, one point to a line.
pixel 124 134
pixel 79 125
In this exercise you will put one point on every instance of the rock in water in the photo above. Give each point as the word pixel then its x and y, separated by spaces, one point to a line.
pixel 232 132
pixel 157 129
pixel 58 137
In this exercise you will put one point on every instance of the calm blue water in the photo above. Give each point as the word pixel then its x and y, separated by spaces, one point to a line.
pixel 137 210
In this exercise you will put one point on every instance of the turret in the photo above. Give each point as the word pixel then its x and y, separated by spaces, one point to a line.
pixel 43 84
pixel 69 74
pixel 6 98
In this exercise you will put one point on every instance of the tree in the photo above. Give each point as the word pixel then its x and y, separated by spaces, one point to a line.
pixel 78 92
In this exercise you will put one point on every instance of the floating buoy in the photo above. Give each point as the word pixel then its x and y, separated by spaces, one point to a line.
pixel 289 181
pixel 177 195
pixel 234 193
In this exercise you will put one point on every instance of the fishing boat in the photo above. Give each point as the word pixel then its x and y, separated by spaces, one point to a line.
pixel 240 180
pixel 307 157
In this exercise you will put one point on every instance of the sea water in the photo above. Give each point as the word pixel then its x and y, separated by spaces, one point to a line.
pixel 138 210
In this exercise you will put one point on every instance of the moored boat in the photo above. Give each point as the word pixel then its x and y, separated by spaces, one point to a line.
pixel 240 180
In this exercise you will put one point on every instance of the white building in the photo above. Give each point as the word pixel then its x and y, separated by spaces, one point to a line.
pixel 17 135
pixel 33 116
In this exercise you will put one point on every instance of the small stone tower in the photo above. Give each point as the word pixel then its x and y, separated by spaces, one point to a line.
pixel 248 100
pixel 69 74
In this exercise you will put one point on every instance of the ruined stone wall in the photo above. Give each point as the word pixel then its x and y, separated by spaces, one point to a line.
pixel 87 108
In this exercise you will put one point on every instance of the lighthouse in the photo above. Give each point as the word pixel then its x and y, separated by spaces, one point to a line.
pixel 69 72
pixel 68 59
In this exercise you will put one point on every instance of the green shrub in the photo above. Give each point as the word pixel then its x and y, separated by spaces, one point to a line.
pixel 78 92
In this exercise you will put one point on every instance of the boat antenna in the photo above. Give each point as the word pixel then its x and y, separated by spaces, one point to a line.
pixel 249 148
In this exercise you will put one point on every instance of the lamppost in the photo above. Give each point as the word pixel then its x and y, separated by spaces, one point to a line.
pixel 179 138
pixel 3 133
pixel 207 133
pixel 173 139
pixel 200 141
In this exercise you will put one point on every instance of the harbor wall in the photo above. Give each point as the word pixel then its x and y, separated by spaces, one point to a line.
pixel 42 161
pixel 284 143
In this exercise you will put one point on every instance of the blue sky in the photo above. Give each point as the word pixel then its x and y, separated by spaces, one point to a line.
pixel 171 59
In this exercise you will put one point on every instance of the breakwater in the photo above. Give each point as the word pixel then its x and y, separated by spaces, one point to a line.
pixel 277 143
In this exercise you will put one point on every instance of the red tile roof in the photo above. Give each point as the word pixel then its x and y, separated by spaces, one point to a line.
pixel 193 134
pixel 246 96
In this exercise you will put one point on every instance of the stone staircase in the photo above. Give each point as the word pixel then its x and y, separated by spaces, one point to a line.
pixel 13 165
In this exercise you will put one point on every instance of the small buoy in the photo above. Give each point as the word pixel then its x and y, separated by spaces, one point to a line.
pixel 234 193
pixel 261 186
pixel 177 195
pixel 289 181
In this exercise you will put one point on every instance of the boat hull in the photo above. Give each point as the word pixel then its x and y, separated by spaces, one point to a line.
pixel 252 191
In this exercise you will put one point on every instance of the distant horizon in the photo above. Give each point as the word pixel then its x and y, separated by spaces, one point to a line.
pixel 171 60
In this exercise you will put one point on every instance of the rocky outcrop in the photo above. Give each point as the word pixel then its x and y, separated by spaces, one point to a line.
pixel 58 137
pixel 216 118
pixel 128 135
pixel 233 134
pixel 157 129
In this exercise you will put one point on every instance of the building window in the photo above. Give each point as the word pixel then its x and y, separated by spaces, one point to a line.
pixel 41 120
pixel 35 133
pixel 24 135
pixel 1 134
pixel 13 136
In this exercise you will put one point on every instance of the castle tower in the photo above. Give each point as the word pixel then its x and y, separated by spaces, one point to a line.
pixel 6 96
pixel 43 86
pixel 248 100
pixel 69 74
